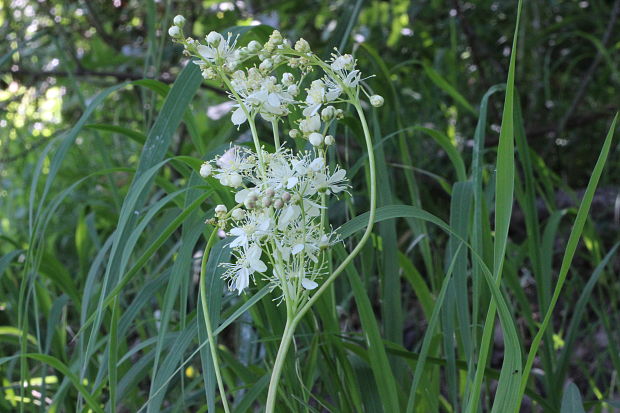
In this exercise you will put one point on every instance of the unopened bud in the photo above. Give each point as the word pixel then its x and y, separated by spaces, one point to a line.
pixel 277 204
pixel 288 79
pixel 214 39
pixel 179 21
pixel 286 196
pixel 265 64
pixel 294 133
pixel 175 32
pixel 206 169
pixel 238 214
pixel 293 90
pixel 329 140
pixel 328 113
pixel 221 209
pixel 302 46
pixel 235 180
pixel 316 139
pixel 254 46
pixel 376 100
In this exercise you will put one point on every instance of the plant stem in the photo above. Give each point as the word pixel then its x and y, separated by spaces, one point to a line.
pixel 292 323
pixel 207 317
pixel 276 133
pixel 287 338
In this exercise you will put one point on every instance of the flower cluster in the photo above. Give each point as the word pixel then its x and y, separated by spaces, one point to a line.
pixel 280 220
pixel 279 217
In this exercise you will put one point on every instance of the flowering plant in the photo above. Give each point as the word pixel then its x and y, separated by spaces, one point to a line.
pixel 279 227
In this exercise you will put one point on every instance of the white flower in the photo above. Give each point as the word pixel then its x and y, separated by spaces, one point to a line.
pixel 329 140
pixel 332 184
pixel 248 262
pixel 220 51
pixel 315 98
pixel 310 124
pixel 254 228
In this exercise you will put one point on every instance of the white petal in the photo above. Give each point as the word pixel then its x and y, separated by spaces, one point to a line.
pixel 253 253
pixel 273 99
pixel 291 182
pixel 242 280
pixel 297 249
pixel 241 195
pixel 206 52
pixel 238 117
pixel 259 266
pixel 308 284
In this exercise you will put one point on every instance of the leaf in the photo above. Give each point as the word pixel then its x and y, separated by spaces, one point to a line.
pixel 571 401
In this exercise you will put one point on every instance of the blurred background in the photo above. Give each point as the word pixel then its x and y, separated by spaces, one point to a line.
pixel 433 61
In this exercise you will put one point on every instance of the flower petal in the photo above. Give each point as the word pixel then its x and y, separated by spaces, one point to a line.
pixel 238 117
pixel 309 284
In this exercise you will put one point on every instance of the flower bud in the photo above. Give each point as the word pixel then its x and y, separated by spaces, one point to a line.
pixel 269 192
pixel 329 140
pixel 209 73
pixel 267 202
pixel 288 79
pixel 328 113
pixel 316 139
pixel 265 65
pixel 277 204
pixel 293 90
pixel 214 39
pixel 339 114
pixel 310 124
pixel 376 100
pixel 179 21
pixel 254 46
pixel 175 32
pixel 275 38
pixel 235 180
pixel 294 133
pixel 206 169
pixel 286 196
pixel 221 209
pixel 302 46
pixel 238 214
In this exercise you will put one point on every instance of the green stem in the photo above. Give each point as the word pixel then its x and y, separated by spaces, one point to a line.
pixel 287 338
pixel 207 318
pixel 276 133
pixel 291 324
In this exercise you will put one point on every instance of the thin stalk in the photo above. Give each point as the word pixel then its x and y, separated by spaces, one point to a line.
pixel 276 133
pixel 292 323
pixel 205 311
pixel 287 338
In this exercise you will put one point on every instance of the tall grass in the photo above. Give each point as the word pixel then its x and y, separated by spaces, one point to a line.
pixel 103 295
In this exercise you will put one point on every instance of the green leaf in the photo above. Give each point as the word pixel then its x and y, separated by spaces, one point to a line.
pixel 571 401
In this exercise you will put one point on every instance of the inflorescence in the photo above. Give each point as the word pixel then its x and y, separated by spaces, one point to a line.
pixel 280 218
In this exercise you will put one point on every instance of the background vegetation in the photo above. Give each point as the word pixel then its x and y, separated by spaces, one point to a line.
pixel 101 215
